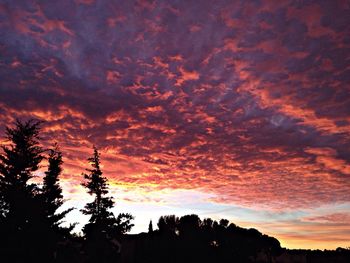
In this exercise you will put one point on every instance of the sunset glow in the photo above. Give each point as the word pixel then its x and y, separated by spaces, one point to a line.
pixel 225 109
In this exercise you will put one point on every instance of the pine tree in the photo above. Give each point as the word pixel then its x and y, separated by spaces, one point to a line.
pixel 17 164
pixel 52 192
pixel 101 218
pixel 96 184
pixel 102 225
pixel 22 212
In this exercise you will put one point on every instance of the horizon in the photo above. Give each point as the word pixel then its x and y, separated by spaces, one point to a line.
pixel 230 110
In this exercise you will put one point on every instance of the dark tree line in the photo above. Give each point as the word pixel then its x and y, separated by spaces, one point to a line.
pixel 209 241
pixel 30 220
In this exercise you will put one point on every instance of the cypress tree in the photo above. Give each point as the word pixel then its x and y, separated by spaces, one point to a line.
pixel 150 227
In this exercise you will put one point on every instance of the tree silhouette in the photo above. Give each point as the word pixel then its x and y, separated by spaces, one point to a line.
pixel 99 209
pixel 150 227
pixel 52 192
pixel 20 205
pixel 20 159
pixel 168 225
pixel 17 165
pixel 96 184
pixel 189 225
pixel 103 225
pixel 123 223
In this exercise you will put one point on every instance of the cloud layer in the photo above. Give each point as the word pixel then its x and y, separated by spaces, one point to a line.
pixel 245 100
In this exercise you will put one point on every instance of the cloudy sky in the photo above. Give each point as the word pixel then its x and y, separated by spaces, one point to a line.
pixel 227 108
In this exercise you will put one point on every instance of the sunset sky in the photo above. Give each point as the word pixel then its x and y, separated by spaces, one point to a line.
pixel 227 109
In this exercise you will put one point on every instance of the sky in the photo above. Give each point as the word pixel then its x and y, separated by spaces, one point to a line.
pixel 227 109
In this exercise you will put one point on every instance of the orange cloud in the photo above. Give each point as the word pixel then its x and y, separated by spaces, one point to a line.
pixel 186 75
pixel 245 102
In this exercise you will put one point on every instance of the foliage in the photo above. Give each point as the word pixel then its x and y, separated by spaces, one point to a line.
pixel 168 224
pixel 101 217
pixel 18 163
pixel 52 192
pixel 97 186
pixel 24 222
pixel 123 223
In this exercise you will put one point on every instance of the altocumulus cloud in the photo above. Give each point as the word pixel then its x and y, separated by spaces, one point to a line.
pixel 248 101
